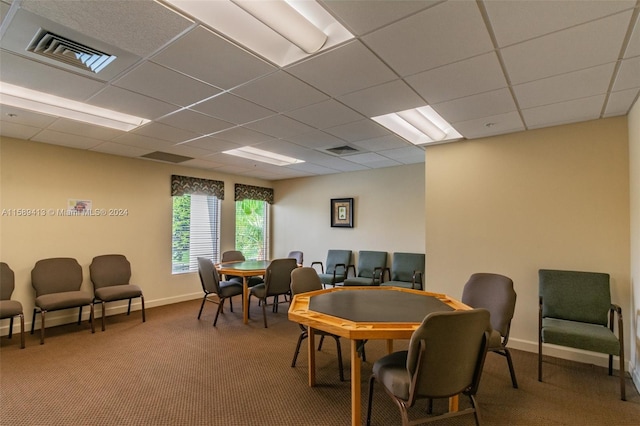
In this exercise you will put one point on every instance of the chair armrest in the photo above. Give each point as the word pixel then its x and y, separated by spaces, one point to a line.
pixel 617 309
pixel 388 271
pixel 377 275
pixel 416 279
pixel 340 265
pixel 321 266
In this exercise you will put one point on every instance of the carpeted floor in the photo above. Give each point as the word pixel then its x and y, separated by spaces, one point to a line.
pixel 176 370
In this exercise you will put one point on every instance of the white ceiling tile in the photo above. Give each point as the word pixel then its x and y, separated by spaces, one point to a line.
pixel 573 49
pixel 340 164
pixel 564 112
pixel 196 122
pixel 316 139
pixel 202 163
pixel 476 106
pixel 128 102
pixel 516 21
pixel 564 87
pixel 212 144
pixel 628 75
pixel 381 144
pixel 242 136
pixel 218 62
pixel 10 129
pixel 358 68
pixel 232 109
pixel 73 127
pixel 358 130
pixel 187 151
pixel 312 169
pixel 280 92
pixel 165 85
pixel 633 48
pixel 490 126
pixel 325 114
pixel 119 149
pixel 166 133
pixel 620 103
pixel 143 142
pixel 456 27
pixel 25 117
pixel 368 158
pixel 406 155
pixel 469 77
pixel 66 139
pixel 383 99
pixel 279 126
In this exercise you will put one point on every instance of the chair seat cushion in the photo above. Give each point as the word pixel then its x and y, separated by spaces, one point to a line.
pixel 251 281
pixel 10 308
pixel 590 337
pixel 259 291
pixel 63 300
pixel 391 372
pixel 230 288
pixel 328 278
pixel 358 281
pixel 118 292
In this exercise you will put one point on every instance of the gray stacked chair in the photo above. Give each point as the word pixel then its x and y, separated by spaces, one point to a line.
pixel 277 281
pixel 298 256
pixel 10 308
pixel 371 265
pixel 215 290
pixel 232 256
pixel 57 283
pixel 407 270
pixel 303 280
pixel 336 271
pixel 495 293
pixel 445 358
pixel 110 275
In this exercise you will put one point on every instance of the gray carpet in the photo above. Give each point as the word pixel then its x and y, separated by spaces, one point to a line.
pixel 176 370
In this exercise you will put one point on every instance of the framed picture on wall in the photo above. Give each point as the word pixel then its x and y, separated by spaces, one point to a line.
pixel 342 212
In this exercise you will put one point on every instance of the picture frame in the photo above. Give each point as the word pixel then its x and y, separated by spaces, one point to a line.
pixel 342 212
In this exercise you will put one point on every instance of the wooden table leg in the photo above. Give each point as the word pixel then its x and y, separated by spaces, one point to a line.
pixel 245 300
pixel 453 404
pixel 389 346
pixel 355 385
pixel 311 356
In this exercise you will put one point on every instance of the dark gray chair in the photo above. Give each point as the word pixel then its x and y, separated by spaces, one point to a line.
pixel 277 281
pixel 231 256
pixel 445 358
pixel 110 275
pixel 575 310
pixel 337 265
pixel 10 308
pixel 304 280
pixel 298 256
pixel 215 291
pixel 495 293
pixel 57 283
pixel 407 270
pixel 371 265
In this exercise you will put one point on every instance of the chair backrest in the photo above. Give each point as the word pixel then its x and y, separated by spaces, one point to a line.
pixel 305 279
pixel 277 278
pixel 7 281
pixel 297 255
pixel 209 277
pixel 446 353
pixel 337 257
pixel 56 275
pixel 368 261
pixel 404 264
pixel 232 256
pixel 495 293
pixel 110 269
pixel 575 296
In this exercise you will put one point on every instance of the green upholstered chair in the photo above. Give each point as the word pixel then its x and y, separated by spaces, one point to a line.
pixel 10 308
pixel 371 265
pixel 303 280
pixel 215 291
pixel 445 358
pixel 110 275
pixel 495 293
pixel 406 271
pixel 576 311
pixel 277 281
pixel 57 283
pixel 336 270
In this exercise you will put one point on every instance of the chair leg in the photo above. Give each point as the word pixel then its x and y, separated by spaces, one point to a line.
pixel 80 315
pixel 33 321
pixel 42 312
pixel 476 411
pixel 303 335
pixel 103 314
pixel 204 299
pixel 220 305
pixel 129 308
pixel 540 360
pixel 320 343
pixel 371 380
pixel 264 311
pixel 623 395
pixel 21 331
pixel 231 304
pixel 10 327
pixel 144 319
pixel 339 350
pixel 512 371
pixel 91 317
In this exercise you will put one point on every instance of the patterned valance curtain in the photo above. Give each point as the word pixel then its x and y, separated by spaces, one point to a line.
pixel 181 185
pixel 248 192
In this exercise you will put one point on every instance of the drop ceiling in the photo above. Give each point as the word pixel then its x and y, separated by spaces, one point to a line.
pixel 487 67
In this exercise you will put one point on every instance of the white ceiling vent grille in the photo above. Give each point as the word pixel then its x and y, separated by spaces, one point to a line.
pixel 342 150
pixel 53 46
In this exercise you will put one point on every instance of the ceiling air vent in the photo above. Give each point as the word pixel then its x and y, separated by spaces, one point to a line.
pixel 64 50
pixel 166 157
pixel 342 150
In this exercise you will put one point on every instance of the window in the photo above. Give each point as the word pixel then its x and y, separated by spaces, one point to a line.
pixel 252 230
pixel 195 222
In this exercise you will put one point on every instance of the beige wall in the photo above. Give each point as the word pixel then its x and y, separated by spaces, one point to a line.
pixel 633 319
pixel 553 198
pixel 388 212
pixel 41 176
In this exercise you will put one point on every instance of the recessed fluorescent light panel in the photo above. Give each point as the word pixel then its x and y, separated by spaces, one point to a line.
pixel 419 126
pixel 282 31
pixel 262 156
pixel 32 100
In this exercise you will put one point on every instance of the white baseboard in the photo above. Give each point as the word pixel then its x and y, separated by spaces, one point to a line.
pixel 69 316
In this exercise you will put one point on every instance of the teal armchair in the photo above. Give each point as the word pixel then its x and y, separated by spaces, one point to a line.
pixel 406 271
pixel 336 270
pixel 576 311
pixel 371 265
